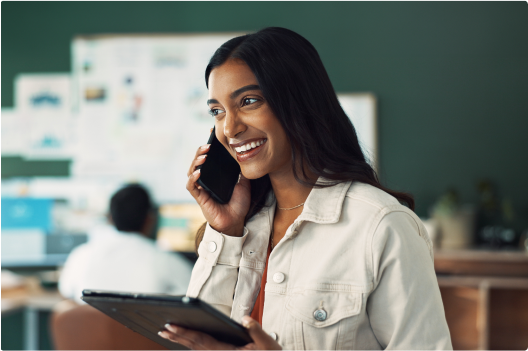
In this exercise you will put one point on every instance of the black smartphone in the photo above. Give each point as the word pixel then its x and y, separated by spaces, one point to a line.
pixel 219 172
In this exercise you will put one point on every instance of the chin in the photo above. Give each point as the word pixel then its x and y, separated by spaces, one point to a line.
pixel 252 172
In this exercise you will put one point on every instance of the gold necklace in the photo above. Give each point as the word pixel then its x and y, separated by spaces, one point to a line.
pixel 291 208
pixel 273 232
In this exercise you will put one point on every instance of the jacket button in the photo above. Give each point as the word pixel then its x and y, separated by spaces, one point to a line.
pixel 320 315
pixel 211 246
pixel 278 277
pixel 273 336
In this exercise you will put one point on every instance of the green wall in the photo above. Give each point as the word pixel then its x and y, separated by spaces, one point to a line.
pixel 451 77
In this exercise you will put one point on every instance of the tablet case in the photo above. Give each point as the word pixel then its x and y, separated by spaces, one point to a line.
pixel 147 314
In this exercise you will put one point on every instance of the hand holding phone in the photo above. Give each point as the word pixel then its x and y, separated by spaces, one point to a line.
pixel 219 172
pixel 214 183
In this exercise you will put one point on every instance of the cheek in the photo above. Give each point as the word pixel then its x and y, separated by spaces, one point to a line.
pixel 282 145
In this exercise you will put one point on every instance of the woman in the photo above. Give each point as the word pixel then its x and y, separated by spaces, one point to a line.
pixel 311 245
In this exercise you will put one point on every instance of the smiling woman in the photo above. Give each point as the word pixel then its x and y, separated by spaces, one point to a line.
pixel 244 118
pixel 311 245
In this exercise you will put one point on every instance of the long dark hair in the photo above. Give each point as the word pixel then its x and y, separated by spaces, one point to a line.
pixel 295 84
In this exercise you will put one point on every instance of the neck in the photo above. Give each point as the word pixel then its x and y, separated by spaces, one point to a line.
pixel 288 191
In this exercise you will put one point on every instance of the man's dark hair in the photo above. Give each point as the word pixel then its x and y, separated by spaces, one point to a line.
pixel 129 208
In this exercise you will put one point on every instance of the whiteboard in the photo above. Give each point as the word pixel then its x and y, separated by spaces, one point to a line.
pixel 361 109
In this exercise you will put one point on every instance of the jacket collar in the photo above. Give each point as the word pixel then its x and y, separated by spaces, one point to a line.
pixel 324 205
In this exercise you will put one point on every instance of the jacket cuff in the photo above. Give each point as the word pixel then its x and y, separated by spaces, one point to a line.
pixel 220 248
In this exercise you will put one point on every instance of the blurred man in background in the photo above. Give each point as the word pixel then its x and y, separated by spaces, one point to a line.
pixel 126 259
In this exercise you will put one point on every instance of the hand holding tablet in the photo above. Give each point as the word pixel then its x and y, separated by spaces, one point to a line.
pixel 196 340
pixel 173 321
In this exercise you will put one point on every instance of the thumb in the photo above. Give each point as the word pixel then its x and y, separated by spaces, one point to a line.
pixel 261 339
pixel 244 181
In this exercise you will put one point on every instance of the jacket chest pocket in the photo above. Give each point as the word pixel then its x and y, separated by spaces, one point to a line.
pixel 321 320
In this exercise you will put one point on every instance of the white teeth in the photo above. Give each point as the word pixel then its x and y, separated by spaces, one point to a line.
pixel 249 146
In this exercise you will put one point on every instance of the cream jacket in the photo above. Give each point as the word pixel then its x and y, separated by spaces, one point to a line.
pixel 354 271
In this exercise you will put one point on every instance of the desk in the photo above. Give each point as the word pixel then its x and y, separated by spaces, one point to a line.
pixel 485 296
pixel 482 262
pixel 30 301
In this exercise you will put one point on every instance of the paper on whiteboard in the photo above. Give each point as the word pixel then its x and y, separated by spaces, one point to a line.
pixel 14 136
pixel 43 103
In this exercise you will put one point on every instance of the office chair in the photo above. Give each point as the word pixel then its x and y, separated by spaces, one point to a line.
pixel 82 327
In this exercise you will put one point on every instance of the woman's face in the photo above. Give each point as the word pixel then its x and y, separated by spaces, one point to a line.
pixel 245 123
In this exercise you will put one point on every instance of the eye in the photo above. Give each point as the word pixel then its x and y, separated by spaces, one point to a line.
pixel 215 112
pixel 248 101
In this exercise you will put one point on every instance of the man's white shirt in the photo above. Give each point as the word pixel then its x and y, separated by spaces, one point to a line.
pixel 128 262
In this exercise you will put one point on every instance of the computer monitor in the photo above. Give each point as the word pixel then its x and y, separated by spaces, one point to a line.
pixel 27 238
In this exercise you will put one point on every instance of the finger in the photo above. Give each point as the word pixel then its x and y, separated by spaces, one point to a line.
pixel 191 185
pixel 201 150
pixel 195 339
pixel 197 161
pixel 244 181
pixel 180 340
pixel 261 339
pixel 241 178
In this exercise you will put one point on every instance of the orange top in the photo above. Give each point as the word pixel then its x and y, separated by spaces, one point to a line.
pixel 258 309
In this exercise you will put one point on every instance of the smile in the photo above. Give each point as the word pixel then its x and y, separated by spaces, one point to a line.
pixel 251 145
pixel 249 150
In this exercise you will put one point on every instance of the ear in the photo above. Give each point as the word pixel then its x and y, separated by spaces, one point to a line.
pixel 149 226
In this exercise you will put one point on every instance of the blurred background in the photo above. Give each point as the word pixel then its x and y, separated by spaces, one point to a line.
pixel 99 94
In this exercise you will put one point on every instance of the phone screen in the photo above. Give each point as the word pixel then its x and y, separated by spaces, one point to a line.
pixel 219 172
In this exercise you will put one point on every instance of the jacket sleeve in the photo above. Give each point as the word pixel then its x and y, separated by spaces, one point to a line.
pixel 405 308
pixel 215 273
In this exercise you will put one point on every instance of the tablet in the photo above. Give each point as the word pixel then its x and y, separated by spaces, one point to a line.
pixel 147 314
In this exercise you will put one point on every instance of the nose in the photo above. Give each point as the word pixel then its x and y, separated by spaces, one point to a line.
pixel 233 126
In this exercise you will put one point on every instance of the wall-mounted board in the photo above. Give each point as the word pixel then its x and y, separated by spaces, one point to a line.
pixel 361 109
pixel 141 106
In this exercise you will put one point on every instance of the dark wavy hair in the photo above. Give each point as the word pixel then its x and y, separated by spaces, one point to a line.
pixel 295 84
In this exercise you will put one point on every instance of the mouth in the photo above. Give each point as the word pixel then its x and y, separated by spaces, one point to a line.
pixel 249 149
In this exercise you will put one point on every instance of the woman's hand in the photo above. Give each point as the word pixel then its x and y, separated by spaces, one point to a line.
pixel 229 218
pixel 196 340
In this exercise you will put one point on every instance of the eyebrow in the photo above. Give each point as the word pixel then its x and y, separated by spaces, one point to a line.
pixel 236 93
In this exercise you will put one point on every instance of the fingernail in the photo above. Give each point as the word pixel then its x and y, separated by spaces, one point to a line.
pixel 171 328
pixel 245 321
pixel 205 146
pixel 202 157
pixel 196 172
pixel 160 333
